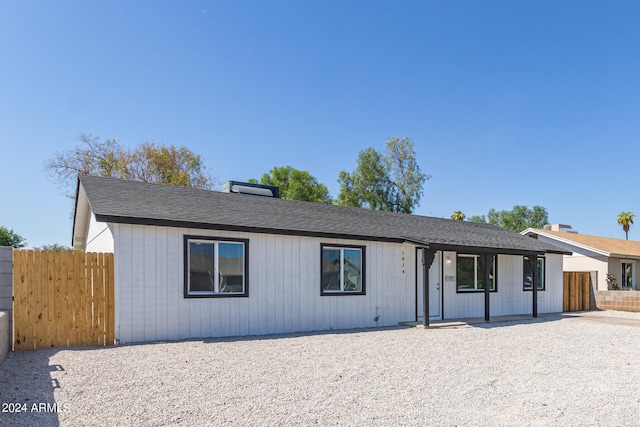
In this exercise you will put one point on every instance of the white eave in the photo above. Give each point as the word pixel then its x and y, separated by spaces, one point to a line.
pixel 81 217
pixel 530 231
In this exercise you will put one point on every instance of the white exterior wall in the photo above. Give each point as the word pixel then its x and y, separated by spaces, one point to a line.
pixel 283 283
pixel 99 236
pixel 597 263
pixel 550 300
pixel 583 260
pixel 510 298
pixel 284 288
pixel 456 306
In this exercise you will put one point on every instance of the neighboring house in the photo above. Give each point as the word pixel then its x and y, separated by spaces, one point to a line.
pixel 600 257
pixel 196 263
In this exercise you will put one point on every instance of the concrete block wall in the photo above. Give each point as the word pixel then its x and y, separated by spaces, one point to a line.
pixel 618 300
pixel 6 289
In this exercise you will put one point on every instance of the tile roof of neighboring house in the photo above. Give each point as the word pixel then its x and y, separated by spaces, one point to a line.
pixel 605 245
pixel 129 202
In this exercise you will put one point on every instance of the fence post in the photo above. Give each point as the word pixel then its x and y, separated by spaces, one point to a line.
pixel 6 288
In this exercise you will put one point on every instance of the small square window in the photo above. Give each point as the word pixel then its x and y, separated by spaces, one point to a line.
pixel 215 268
pixel 343 270
pixel 469 274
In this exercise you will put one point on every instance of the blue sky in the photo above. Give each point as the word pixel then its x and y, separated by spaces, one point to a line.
pixel 507 102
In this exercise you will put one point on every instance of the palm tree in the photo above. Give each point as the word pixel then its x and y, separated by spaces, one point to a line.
pixel 457 216
pixel 625 219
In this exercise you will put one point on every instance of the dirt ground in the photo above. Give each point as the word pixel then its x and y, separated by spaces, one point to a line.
pixel 555 370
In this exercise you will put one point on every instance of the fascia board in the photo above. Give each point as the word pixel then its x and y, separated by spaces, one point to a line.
pixel 567 242
pixel 625 256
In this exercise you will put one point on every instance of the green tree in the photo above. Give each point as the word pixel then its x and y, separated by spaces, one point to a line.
pixel 295 184
pixel 56 247
pixel 389 181
pixel 494 217
pixel 458 216
pixel 625 219
pixel 366 186
pixel 478 218
pixel 518 219
pixel 521 217
pixel 9 238
pixel 148 162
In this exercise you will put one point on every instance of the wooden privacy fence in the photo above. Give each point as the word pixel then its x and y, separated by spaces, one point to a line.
pixel 576 291
pixel 62 299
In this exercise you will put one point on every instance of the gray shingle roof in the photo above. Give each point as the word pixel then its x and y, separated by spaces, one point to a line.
pixel 121 201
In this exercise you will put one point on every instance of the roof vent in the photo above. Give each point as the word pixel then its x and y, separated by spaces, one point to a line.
pixel 253 189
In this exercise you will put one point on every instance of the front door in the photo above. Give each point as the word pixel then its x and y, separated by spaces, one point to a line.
pixel 434 287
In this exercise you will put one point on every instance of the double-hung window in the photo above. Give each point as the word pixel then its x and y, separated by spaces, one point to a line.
pixel 215 267
pixel 528 274
pixel 343 270
pixel 470 276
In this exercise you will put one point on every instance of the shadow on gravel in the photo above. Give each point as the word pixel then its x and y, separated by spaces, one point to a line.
pixel 501 323
pixel 587 316
pixel 300 334
pixel 27 389
pixel 214 340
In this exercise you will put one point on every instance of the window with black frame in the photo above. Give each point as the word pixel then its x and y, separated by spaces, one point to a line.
pixel 215 267
pixel 470 275
pixel 342 270
pixel 528 274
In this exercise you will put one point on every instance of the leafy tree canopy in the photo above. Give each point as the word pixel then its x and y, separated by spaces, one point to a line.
pixel 295 184
pixel 147 162
pixel 518 219
pixel 9 238
pixel 478 218
pixel 56 247
pixel 389 181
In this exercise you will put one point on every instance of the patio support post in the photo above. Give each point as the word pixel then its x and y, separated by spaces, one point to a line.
pixel 486 259
pixel 533 260
pixel 427 259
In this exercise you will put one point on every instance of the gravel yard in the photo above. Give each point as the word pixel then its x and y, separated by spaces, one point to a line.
pixel 551 371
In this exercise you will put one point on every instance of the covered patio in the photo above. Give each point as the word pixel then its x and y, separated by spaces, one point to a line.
pixel 487 257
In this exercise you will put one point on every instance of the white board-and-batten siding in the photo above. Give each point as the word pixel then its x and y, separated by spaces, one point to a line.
pixel 283 285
